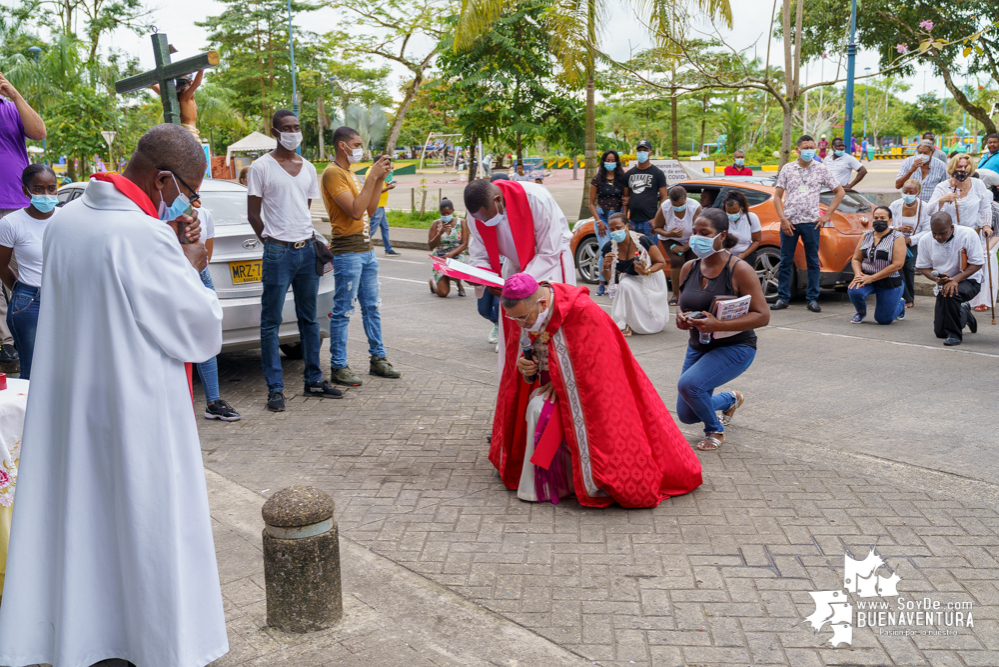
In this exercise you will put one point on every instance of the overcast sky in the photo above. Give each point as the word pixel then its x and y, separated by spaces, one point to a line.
pixel 622 34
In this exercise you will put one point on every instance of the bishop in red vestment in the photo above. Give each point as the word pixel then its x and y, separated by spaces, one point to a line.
pixel 575 411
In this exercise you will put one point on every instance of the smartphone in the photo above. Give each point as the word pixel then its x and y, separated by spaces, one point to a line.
pixel 182 226
pixel 694 316
pixel 388 179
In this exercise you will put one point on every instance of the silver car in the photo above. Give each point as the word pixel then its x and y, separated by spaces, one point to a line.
pixel 236 271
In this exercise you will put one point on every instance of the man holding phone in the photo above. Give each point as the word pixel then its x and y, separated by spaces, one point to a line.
pixel 379 221
pixel 354 263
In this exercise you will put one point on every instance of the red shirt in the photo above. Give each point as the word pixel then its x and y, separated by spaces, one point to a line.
pixel 732 170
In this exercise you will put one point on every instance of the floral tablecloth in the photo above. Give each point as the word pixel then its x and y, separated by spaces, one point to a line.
pixel 13 401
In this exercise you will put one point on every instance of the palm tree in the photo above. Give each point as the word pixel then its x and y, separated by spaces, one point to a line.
pixel 371 123
pixel 573 28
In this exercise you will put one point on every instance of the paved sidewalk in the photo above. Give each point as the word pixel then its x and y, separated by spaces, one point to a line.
pixel 718 577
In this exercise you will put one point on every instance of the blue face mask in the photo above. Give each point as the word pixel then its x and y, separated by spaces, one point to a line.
pixel 610 166
pixel 909 199
pixel 642 156
pixel 679 209
pixel 44 203
pixel 447 218
pixel 178 208
pixel 739 161
pixel 619 235
pixel 808 154
pixel 734 217
pixel 839 153
pixel 702 246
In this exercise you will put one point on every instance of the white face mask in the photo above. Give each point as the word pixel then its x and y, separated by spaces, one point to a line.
pixel 290 140
pixel 354 156
pixel 495 220
pixel 538 323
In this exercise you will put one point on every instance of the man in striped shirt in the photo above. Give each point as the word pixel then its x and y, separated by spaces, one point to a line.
pixel 923 168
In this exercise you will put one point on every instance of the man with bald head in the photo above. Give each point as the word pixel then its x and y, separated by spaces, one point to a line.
pixel 111 552
pixel 952 257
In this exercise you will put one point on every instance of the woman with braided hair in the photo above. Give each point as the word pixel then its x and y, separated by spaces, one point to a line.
pixel 633 268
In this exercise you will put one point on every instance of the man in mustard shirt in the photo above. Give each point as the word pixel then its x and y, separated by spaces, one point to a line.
pixel 355 267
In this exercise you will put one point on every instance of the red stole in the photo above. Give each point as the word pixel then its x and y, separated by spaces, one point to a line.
pixel 518 213
pixel 142 200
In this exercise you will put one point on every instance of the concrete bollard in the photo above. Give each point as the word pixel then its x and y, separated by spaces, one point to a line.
pixel 301 560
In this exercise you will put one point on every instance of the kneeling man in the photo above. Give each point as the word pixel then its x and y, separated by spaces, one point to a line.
pixel 575 411
pixel 955 255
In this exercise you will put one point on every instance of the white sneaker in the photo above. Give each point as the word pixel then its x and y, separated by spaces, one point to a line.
pixel 497 348
pixel 494 335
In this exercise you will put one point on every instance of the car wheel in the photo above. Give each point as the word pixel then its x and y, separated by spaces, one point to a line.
pixel 292 350
pixel 767 262
pixel 588 259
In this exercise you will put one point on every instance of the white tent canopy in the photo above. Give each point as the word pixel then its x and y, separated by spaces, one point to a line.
pixel 255 141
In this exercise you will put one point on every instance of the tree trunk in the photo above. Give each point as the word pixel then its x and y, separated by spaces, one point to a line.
pixel 320 117
pixel 704 117
pixel 520 149
pixel 396 128
pixel 473 163
pixel 590 152
pixel 976 112
pixel 785 134
pixel 790 85
pixel 674 120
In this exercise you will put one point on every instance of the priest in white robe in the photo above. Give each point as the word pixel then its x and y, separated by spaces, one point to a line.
pixel 111 551
pixel 522 224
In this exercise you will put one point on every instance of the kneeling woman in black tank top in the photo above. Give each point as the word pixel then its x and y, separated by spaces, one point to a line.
pixel 712 362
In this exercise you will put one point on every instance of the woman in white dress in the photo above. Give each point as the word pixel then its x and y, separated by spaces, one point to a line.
pixel 911 218
pixel 969 203
pixel 633 268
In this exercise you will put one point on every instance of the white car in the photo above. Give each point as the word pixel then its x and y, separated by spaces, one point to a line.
pixel 236 271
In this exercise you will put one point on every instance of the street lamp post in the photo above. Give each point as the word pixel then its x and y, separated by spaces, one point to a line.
pixel 294 88
pixel 867 70
pixel 35 50
pixel 851 58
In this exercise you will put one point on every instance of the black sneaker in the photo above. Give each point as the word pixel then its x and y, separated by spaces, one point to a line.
pixel 814 307
pixel 780 304
pixel 8 354
pixel 275 401
pixel 972 322
pixel 221 410
pixel 322 389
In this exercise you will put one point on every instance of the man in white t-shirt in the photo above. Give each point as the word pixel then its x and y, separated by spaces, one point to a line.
pixel 487 165
pixel 955 255
pixel 280 189
pixel 842 165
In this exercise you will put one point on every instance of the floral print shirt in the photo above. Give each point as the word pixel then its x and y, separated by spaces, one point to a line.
pixel 802 186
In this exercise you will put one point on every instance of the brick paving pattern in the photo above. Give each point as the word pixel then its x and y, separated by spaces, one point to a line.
pixel 718 577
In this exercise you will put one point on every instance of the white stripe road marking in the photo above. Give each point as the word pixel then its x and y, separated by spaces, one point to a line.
pixel 890 342
pixel 408 280
pixel 404 261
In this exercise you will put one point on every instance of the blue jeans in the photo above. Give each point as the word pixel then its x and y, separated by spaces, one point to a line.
pixel 209 370
pixel 284 266
pixel 489 306
pixel 603 214
pixel 22 319
pixel 645 229
pixel 887 301
pixel 702 372
pixel 810 239
pixel 379 221
pixel 356 276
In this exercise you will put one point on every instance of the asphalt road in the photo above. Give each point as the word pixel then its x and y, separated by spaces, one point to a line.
pixel 819 384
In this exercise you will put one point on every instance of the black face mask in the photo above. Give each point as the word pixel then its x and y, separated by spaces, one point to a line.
pixel 880 225
pixel 960 176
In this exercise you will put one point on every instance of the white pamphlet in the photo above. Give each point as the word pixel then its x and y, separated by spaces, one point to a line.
pixel 730 309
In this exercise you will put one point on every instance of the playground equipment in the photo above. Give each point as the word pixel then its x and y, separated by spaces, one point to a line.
pixel 444 151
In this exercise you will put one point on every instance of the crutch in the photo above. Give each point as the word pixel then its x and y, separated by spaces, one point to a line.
pixel 989 256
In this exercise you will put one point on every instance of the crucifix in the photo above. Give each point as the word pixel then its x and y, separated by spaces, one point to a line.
pixel 165 73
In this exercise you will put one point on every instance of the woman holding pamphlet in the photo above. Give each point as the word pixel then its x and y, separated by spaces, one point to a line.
pixel 721 303
pixel 448 240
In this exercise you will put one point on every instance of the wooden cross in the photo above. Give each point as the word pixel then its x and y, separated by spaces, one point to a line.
pixel 164 75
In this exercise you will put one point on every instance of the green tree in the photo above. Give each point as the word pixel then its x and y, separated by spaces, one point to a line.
pixel 74 125
pixel 926 114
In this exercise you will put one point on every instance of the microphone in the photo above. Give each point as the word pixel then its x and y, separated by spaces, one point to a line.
pixel 529 355
pixel 935 273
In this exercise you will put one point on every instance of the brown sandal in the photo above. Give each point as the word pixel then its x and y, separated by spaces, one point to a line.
pixel 627 333
pixel 727 415
pixel 710 443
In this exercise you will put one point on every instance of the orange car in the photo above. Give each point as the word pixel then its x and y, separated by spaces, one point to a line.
pixel 838 241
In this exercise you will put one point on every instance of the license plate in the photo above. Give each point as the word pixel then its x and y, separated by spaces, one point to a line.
pixel 246 272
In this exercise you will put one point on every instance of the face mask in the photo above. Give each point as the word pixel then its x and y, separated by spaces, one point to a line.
pixel 44 203
pixel 538 323
pixel 839 153
pixel 702 246
pixel 447 218
pixel 879 225
pixel 739 161
pixel 909 199
pixel 808 154
pixel 734 217
pixel 179 207
pixel 495 220
pixel 610 166
pixel 642 156
pixel 354 156
pixel 921 158
pixel 619 235
pixel 290 140
pixel 679 209
pixel 960 176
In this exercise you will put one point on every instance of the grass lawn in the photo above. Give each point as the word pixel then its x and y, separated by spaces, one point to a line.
pixel 403 218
